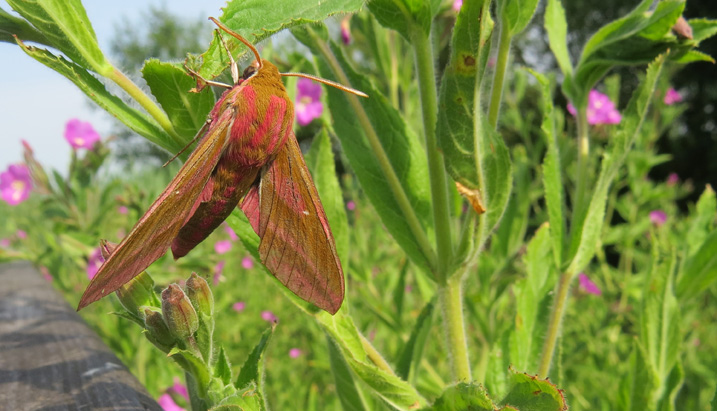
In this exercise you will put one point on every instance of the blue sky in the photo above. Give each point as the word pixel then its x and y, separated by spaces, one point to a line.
pixel 35 102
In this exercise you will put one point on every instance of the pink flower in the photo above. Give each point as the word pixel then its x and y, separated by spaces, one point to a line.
pixel 232 235
pixel 123 210
pixel 308 105
pixel 5 242
pixel 673 179
pixel 223 246
pixel 167 403
pixel 294 353
pixel 21 234
pixel 269 316
pixel 218 269
pixel 46 273
pixel 658 217
pixel 351 206
pixel 240 306
pixel 81 134
pixel 180 388
pixel 672 96
pixel 94 262
pixel 247 263
pixel 600 109
pixel 457 4
pixel 587 285
pixel 15 184
pixel 346 30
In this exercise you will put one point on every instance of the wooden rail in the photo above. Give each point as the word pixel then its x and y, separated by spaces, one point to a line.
pixel 50 359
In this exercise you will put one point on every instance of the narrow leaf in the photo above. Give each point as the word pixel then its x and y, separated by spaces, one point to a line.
pixel 412 351
pixel 557 28
pixel 253 368
pixel 518 13
pixel 404 16
pixel 529 392
pixel 349 395
pixel 700 270
pixel 65 24
pixel 257 20
pixel 170 85
pixel 95 90
pixel 585 235
pixel 12 26
pixel 222 369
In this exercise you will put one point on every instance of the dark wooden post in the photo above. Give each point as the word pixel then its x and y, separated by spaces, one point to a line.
pixel 50 359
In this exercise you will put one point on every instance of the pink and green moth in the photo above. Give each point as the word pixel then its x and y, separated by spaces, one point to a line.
pixel 248 156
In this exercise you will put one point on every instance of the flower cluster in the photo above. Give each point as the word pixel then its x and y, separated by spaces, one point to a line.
pixel 601 110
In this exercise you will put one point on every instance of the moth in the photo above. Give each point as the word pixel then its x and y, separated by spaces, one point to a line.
pixel 247 155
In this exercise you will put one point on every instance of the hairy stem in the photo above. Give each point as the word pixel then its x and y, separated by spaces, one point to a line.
pixel 501 65
pixel 556 317
pixel 450 299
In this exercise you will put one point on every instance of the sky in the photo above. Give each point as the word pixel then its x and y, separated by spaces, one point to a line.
pixel 36 102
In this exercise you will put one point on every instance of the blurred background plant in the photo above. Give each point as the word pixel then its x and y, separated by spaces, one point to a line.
pixel 638 320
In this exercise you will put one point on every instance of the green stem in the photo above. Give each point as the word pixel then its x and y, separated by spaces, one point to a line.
pixel 375 356
pixel 556 317
pixel 146 102
pixel 394 183
pixel 583 157
pixel 450 300
pixel 423 52
pixel 501 65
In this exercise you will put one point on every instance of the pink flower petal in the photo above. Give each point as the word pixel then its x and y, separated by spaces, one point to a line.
pixel 658 217
pixel 21 234
pixel 232 235
pixel 240 306
pixel 223 246
pixel 351 206
pixel 180 388
pixel 673 179
pixel 600 110
pixel 167 403
pixel 15 184
pixel 269 316
pixel 218 269
pixel 308 106
pixel 457 4
pixel 94 262
pixel 587 285
pixel 247 263
pixel 123 210
pixel 672 96
pixel 294 353
pixel 81 134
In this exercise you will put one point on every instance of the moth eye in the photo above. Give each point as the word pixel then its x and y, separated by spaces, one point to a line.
pixel 248 72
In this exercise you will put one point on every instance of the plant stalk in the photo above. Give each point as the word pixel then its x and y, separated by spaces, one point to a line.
pixel 501 66
pixel 450 299
pixel 583 157
pixel 556 317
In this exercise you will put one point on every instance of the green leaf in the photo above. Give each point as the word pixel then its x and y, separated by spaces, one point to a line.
pixel 253 368
pixel 586 233
pixel 247 399
pixel 257 20
pixel 384 384
pixel 557 28
pixel 703 220
pixel 170 85
pixel 95 90
pixel 398 142
pixel 412 351
pixel 700 270
pixel 637 38
pixel 660 316
pixel 672 388
pixel 11 25
pixel 463 397
pixel 702 29
pixel 637 390
pixel 552 176
pixel 193 365
pixel 458 130
pixel 531 393
pixel 532 297
pixel 222 368
pixel 320 160
pixel 65 24
pixel 349 395
pixel 509 236
pixel 404 16
pixel 517 13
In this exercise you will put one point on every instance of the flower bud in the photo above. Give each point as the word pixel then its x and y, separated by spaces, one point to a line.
pixel 180 316
pixel 107 248
pixel 157 331
pixel 136 293
pixel 200 295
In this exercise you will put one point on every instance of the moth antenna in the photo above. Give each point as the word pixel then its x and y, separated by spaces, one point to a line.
pixel 199 134
pixel 328 83
pixel 240 38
